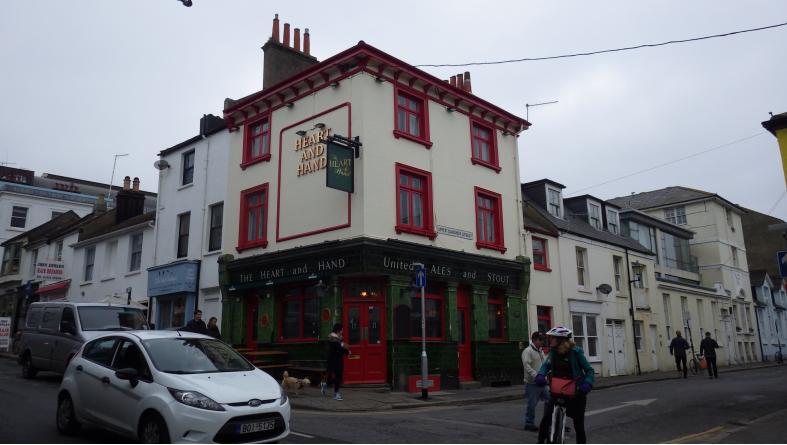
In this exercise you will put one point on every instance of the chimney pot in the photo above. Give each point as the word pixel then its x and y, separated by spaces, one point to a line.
pixel 100 198
pixel 297 39
pixel 276 28
pixel 460 81
pixel 136 184
pixel 306 45
pixel 468 87
pixel 286 34
pixel 126 183
pixel 453 81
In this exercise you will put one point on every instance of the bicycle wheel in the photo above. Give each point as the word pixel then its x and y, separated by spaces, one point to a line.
pixel 558 425
pixel 693 366
pixel 778 357
pixel 15 346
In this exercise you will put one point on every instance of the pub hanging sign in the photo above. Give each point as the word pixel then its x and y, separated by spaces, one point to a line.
pixel 340 174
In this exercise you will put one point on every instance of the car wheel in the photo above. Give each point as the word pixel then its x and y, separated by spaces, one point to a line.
pixel 153 429
pixel 28 371
pixel 67 424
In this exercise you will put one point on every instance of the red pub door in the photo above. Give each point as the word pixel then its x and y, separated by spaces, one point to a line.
pixel 364 336
pixel 253 322
pixel 463 325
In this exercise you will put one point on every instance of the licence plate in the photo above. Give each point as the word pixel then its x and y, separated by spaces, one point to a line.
pixel 256 426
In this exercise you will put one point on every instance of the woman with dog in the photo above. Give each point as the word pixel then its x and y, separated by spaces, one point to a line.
pixel 336 353
pixel 566 361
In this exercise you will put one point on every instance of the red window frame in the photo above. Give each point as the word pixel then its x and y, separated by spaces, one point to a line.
pixel 548 319
pixel 423 114
pixel 425 191
pixel 248 141
pixel 543 253
pixel 496 297
pixel 243 242
pixel 301 320
pixel 498 242
pixel 416 336
pixel 476 140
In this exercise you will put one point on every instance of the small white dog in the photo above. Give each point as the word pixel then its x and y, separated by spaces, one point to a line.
pixel 288 382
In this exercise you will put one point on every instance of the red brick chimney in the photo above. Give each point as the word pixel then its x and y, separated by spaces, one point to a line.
pixel 282 61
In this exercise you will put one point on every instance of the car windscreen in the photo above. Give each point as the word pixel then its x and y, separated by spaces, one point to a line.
pixel 194 356
pixel 111 318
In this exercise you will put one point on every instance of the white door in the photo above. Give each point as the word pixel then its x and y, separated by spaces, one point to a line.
pixel 653 347
pixel 611 350
pixel 620 347
pixel 730 352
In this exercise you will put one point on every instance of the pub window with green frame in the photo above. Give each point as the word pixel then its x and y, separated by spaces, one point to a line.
pixel 299 313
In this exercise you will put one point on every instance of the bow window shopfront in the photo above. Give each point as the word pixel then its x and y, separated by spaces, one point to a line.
pixel 288 301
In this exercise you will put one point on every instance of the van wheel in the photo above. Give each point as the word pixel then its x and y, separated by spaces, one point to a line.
pixel 153 429
pixel 28 371
pixel 67 424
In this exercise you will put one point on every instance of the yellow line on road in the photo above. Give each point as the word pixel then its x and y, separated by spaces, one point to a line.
pixel 694 436
pixel 387 412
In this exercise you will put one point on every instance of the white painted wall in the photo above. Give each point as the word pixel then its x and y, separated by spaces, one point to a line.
pixel 39 210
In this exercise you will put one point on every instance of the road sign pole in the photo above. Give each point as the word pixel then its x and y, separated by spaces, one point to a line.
pixel 424 361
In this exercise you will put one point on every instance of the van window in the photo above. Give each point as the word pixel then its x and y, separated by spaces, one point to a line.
pixel 34 317
pixel 100 351
pixel 68 316
pixel 111 318
pixel 49 319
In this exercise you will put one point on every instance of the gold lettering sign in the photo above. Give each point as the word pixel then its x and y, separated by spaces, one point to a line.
pixel 313 152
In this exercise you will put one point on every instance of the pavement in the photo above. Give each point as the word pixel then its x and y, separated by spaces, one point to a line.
pixel 362 399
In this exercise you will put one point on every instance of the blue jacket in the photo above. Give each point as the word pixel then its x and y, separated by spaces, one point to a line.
pixel 579 365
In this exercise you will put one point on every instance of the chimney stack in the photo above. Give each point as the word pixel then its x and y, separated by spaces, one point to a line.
pixel 460 81
pixel 100 206
pixel 286 34
pixel 129 203
pixel 282 61
pixel 297 40
pixel 306 41
pixel 467 86
pixel 275 35
pixel 453 81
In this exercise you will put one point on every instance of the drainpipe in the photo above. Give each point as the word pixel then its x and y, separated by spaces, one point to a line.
pixel 631 311
pixel 204 202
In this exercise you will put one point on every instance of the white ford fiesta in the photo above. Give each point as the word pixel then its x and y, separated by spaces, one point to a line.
pixel 170 386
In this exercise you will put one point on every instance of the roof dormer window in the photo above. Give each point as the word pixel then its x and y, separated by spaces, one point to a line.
pixel 612 222
pixel 594 216
pixel 554 202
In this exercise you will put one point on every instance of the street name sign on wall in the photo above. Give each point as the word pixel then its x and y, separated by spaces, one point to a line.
pixel 5 332
pixel 50 270
pixel 455 232
pixel 340 174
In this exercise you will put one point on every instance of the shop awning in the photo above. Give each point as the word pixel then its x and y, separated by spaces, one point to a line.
pixel 52 287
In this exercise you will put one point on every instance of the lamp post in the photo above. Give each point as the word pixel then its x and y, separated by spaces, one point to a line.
pixel 637 270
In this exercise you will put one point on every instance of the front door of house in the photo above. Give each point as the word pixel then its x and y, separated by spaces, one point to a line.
pixel 364 336
pixel 616 342
pixel 463 326
pixel 252 323
pixel 653 347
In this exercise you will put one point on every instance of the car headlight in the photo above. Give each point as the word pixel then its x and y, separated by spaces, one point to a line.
pixel 283 395
pixel 195 399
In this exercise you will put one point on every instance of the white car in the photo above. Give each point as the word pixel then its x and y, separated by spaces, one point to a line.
pixel 171 386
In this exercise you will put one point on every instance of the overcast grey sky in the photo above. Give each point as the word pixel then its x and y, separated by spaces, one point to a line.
pixel 84 80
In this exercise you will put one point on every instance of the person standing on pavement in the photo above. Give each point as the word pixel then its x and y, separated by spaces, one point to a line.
pixel 678 347
pixel 708 347
pixel 532 360
pixel 196 325
pixel 335 365
pixel 213 330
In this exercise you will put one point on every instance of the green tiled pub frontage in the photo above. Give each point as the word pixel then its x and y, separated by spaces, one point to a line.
pixel 476 309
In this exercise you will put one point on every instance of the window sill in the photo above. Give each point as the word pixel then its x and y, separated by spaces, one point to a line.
pixel 136 272
pixel 107 279
pixel 540 267
pixel 480 244
pixel 16 229
pixel 86 283
pixel 483 163
pixel 415 231
pixel 259 243
pixel 584 291
pixel 401 134
pixel 186 186
pixel 264 158
pixel 595 360
pixel 211 253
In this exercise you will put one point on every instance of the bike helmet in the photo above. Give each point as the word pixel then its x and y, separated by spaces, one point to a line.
pixel 560 331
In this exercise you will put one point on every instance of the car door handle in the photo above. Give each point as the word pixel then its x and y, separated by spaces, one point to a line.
pixel 105 379
pixel 79 368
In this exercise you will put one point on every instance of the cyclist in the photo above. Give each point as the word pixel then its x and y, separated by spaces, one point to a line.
pixel 566 360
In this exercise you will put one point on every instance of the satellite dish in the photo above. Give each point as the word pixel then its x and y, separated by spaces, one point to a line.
pixel 161 164
pixel 604 289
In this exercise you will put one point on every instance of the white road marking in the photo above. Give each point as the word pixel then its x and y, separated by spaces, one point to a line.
pixel 302 435
pixel 623 405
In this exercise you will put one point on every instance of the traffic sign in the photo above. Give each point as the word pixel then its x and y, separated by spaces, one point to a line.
pixel 782 256
pixel 420 277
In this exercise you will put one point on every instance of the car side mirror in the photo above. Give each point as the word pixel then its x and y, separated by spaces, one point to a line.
pixel 129 374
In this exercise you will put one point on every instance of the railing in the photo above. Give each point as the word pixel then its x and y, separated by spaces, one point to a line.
pixel 692 266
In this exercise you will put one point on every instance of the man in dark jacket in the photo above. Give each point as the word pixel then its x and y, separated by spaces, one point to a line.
pixel 196 325
pixel 708 347
pixel 678 347
pixel 335 365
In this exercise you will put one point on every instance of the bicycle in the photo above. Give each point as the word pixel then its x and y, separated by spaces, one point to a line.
pixel 15 344
pixel 558 429
pixel 778 357
pixel 694 364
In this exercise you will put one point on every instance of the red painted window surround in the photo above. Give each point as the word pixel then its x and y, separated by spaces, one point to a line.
pixel 254 200
pixel 415 186
pixel 409 106
pixel 544 322
pixel 542 253
pixel 302 317
pixel 416 336
pixel 495 298
pixel 256 141
pixel 483 146
pixel 489 220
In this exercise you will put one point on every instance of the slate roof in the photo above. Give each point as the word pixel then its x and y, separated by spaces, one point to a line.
pixel 39 232
pixel 665 197
pixel 139 219
pixel 578 226
pixel 757 277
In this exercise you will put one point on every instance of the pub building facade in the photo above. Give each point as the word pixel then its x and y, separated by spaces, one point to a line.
pixel 435 181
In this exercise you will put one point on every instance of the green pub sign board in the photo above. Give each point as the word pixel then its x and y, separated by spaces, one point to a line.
pixel 340 174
